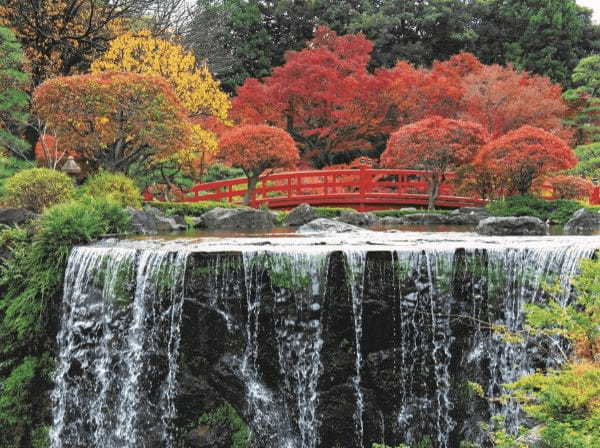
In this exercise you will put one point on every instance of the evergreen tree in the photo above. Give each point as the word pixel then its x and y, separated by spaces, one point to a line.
pixel 13 99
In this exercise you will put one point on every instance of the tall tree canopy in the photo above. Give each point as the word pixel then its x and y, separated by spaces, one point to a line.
pixel 142 53
pixel 114 120
pixel 14 101
pixel 435 144
pixel 62 37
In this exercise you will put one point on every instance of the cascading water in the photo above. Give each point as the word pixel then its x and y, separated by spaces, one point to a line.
pixel 116 375
pixel 345 343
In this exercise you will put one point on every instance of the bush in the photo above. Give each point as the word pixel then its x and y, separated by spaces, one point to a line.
pixel 115 187
pixel 558 211
pixel 589 160
pixel 9 166
pixel 189 208
pixel 38 188
pixel 31 281
pixel 570 187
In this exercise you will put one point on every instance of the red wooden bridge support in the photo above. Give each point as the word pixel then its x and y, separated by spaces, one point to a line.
pixel 363 189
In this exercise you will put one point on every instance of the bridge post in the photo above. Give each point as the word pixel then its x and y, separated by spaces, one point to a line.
pixel 362 187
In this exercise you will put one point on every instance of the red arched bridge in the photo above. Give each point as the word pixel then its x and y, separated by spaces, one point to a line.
pixel 362 189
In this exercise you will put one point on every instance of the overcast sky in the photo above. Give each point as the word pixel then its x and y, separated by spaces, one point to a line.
pixel 595 5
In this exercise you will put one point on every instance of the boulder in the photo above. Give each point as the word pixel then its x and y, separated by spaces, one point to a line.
pixel 15 216
pixel 301 215
pixel 391 221
pixel 205 436
pixel 583 222
pixel 324 225
pixel 428 219
pixel 469 215
pixel 358 219
pixel 151 221
pixel 512 226
pixel 237 219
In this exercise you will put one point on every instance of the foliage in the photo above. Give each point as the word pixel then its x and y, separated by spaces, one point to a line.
pixel 9 166
pixel 227 415
pixel 436 144
pixel 589 160
pixel 546 37
pixel 31 289
pixel 62 37
pixel 255 149
pixel 14 100
pixel 568 187
pixel 525 154
pixel 503 99
pixel 346 115
pixel 49 153
pixel 114 119
pixel 584 100
pixel 566 400
pixel 219 171
pixel 558 211
pixel 115 187
pixel 37 189
pixel 143 53
pixel 189 208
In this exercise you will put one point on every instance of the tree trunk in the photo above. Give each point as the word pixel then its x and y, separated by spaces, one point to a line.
pixel 434 188
pixel 252 182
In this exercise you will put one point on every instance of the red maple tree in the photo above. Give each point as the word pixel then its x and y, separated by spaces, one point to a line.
pixel 255 149
pixel 435 144
pixel 523 155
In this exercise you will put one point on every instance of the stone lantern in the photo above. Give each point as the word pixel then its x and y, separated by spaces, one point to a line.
pixel 71 167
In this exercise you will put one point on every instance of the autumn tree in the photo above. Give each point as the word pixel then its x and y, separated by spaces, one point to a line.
pixel 14 100
pixel 324 97
pixel 523 155
pixel 503 99
pixel 255 149
pixel 114 120
pixel 435 144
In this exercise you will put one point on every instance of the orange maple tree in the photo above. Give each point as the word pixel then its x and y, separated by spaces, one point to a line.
pixel 255 149
pixel 435 144
pixel 114 120
pixel 523 155
pixel 565 187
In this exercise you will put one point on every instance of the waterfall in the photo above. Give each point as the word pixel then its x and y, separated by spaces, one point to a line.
pixel 119 342
pixel 389 332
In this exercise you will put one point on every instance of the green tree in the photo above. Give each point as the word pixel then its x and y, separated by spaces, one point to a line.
pixel 13 99
pixel 584 100
pixel 547 37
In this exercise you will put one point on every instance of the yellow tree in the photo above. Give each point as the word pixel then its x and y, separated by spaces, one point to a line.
pixel 142 53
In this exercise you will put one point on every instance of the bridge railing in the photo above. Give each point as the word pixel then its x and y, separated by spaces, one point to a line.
pixel 362 188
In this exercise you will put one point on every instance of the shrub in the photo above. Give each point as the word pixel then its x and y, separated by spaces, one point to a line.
pixel 115 187
pixel 38 188
pixel 569 187
pixel 558 211
pixel 219 171
pixel 9 166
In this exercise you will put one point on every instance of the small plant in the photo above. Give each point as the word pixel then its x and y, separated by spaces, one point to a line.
pixel 116 187
pixel 38 188
pixel 227 415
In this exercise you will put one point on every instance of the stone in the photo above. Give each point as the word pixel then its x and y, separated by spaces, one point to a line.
pixel 428 219
pixel 324 225
pixel 391 221
pixel 301 215
pixel 150 221
pixel 358 219
pixel 469 215
pixel 237 219
pixel 204 436
pixel 583 222
pixel 513 226
pixel 15 216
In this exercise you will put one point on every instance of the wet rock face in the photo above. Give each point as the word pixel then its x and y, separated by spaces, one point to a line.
pixel 151 221
pixel 15 216
pixel 301 215
pixel 513 226
pixel 324 225
pixel 415 361
pixel 583 222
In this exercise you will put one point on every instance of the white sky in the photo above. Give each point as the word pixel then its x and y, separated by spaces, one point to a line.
pixel 595 5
